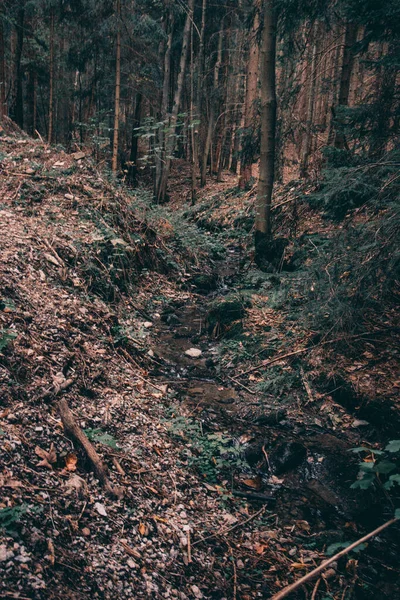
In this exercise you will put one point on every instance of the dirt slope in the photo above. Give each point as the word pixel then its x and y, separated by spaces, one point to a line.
pixel 92 311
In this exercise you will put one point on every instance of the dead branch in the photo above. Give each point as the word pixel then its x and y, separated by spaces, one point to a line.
pixel 76 434
pixel 292 587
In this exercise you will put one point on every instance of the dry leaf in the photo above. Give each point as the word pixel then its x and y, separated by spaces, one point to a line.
pixel 254 484
pixel 259 548
pixel 298 566
pixel 143 529
pixel 47 457
pixel 71 461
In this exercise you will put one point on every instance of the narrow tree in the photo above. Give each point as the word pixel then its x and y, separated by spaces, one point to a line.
pixel 268 126
pixel 51 77
pixel 114 164
pixel 247 154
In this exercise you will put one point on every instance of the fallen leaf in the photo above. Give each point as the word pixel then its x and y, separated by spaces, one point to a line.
pixel 71 461
pixel 47 457
pixel 259 548
pixel 254 484
pixel 143 529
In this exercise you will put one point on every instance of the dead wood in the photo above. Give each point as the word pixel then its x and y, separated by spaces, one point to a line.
pixel 76 434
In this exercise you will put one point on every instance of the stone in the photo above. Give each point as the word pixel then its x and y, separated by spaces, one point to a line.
pixel 193 352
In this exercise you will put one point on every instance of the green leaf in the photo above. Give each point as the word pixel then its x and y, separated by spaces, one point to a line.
pixel 364 483
pixel 393 446
pixel 365 449
pixel 333 548
pixel 6 336
pixel 385 467
pixel 98 435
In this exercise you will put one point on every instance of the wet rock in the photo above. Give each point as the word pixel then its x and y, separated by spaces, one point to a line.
pixel 286 456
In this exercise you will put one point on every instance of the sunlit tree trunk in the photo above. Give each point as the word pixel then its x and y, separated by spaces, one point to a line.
pixel 268 126
pixel 114 164
pixel 247 156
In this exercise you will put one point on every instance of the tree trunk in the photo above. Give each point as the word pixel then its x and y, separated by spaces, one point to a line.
pixel 132 171
pixel 171 141
pixel 196 108
pixel 247 155
pixel 211 120
pixel 3 106
pixel 159 156
pixel 51 82
pixel 350 39
pixel 18 107
pixel 268 125
pixel 306 145
pixel 114 163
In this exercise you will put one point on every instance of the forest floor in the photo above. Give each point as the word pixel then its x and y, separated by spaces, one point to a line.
pixel 226 429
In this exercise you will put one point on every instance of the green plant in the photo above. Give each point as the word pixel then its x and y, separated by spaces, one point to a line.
pixel 214 455
pixel 11 516
pixel 98 435
pixel 6 336
pixel 376 465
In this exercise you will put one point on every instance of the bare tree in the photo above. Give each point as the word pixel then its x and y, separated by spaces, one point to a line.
pixel 268 126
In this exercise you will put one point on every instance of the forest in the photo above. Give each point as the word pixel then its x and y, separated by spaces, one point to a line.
pixel 199 299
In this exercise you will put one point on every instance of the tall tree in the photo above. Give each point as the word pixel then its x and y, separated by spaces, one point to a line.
pixel 114 164
pixel 263 229
pixel 250 108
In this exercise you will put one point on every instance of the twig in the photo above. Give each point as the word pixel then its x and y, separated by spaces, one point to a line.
pixel 241 385
pixel 315 590
pixel 224 531
pixel 189 547
pixel 291 588
pixel 306 385
pixel 234 596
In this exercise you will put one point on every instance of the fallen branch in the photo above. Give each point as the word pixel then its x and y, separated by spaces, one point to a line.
pixel 292 587
pixel 73 431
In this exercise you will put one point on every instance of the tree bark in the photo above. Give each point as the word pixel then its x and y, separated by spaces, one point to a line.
pixel 247 155
pixel 211 120
pixel 306 145
pixel 268 126
pixel 114 164
pixel 132 171
pixel 51 79
pixel 18 108
pixel 3 106
pixel 350 38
